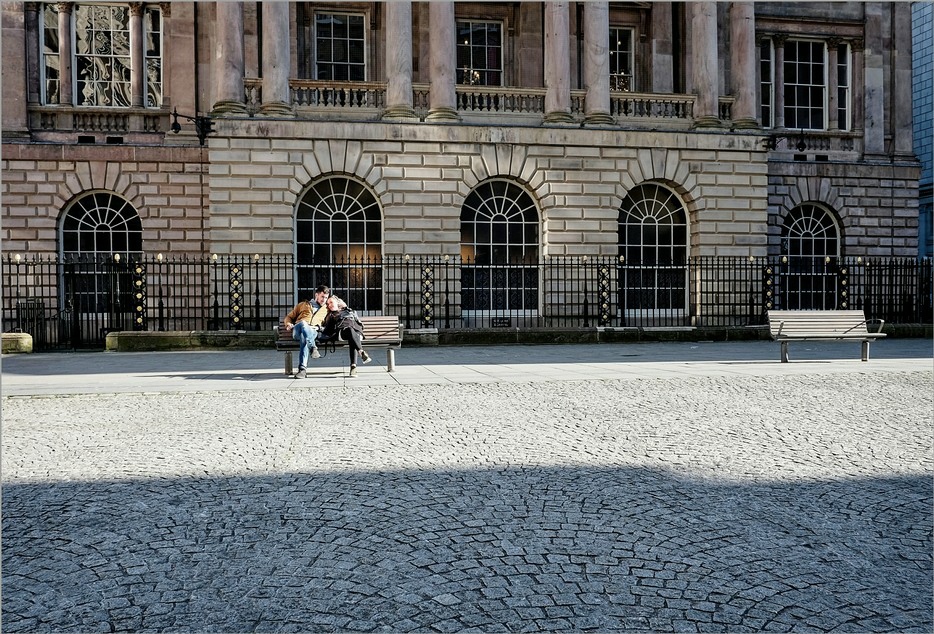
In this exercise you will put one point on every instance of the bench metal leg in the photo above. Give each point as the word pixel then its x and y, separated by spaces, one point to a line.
pixel 784 351
pixel 288 362
pixel 866 350
pixel 390 359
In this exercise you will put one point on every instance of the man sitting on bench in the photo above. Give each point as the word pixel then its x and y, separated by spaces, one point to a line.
pixel 304 322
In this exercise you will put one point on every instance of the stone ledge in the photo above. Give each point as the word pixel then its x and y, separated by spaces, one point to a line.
pixel 130 341
pixel 16 342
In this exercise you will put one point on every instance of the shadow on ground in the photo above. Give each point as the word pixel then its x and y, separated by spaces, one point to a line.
pixel 523 549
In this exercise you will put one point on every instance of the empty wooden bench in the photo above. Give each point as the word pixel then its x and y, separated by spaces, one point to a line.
pixel 786 326
pixel 378 332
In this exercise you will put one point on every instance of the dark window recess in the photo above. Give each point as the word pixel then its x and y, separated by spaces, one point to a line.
pixel 85 138
pixel 115 140
pixel 821 157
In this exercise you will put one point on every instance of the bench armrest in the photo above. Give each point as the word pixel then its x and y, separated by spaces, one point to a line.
pixel 881 323
pixel 781 325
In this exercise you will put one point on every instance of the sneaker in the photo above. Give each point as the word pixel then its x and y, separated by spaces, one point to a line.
pixel 300 374
pixel 315 354
pixel 364 356
pixel 353 370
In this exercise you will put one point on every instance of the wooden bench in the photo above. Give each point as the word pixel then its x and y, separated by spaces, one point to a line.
pixel 826 325
pixel 378 332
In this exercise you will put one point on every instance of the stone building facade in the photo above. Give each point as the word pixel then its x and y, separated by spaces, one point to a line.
pixel 480 130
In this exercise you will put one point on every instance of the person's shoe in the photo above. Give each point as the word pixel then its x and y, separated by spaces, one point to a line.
pixel 300 374
pixel 315 354
pixel 364 356
pixel 353 370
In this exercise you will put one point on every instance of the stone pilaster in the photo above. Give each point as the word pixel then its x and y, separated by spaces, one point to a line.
pixel 662 60
pixel 874 78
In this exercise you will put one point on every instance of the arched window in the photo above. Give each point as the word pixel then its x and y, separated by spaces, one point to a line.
pixel 95 229
pixel 338 242
pixel 500 248
pixel 810 245
pixel 653 244
pixel 101 224
pixel 810 231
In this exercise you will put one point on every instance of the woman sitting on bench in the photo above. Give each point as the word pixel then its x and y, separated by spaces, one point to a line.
pixel 343 323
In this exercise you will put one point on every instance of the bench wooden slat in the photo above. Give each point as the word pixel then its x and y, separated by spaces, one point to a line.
pixel 826 325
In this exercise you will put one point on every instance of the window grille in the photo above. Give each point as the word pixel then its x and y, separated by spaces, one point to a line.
pixel 340 47
pixel 622 56
pixel 500 248
pixel 653 244
pixel 479 53
pixel 338 242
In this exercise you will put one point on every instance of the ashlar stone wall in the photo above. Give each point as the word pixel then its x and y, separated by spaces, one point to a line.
pixel 421 175
pixel 164 185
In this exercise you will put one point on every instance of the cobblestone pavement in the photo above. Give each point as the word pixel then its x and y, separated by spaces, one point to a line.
pixel 718 503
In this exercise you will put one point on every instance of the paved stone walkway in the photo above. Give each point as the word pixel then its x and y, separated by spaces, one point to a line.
pixel 795 499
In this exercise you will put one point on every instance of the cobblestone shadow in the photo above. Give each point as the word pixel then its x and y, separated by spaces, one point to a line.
pixel 511 549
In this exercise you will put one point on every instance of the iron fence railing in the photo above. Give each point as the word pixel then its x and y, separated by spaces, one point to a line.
pixel 74 302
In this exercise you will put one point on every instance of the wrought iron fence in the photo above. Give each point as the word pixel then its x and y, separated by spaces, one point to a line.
pixel 74 302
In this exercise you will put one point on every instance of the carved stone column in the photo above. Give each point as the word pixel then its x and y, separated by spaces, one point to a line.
pixel 743 64
pixel 137 54
pixel 66 88
pixel 557 63
pixel 597 63
pixel 228 58
pixel 276 102
pixel 399 61
pixel 442 98
pixel 662 60
pixel 706 64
